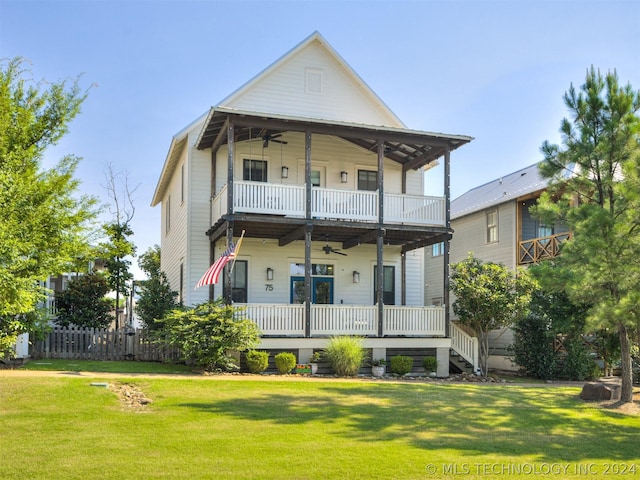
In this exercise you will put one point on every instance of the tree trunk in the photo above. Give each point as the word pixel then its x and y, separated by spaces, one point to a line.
pixel 484 352
pixel 626 393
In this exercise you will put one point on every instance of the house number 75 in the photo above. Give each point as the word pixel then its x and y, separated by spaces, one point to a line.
pixel 268 287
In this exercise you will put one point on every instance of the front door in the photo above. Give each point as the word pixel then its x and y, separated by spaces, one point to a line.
pixel 321 290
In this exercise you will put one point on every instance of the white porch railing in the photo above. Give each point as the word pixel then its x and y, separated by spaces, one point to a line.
pixel 344 204
pixel 414 209
pixel 327 320
pixel 465 345
pixel 279 320
pixel 289 200
pixel 219 205
pixel 417 321
pixel 338 320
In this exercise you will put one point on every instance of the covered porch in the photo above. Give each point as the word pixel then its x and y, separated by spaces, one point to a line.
pixel 282 320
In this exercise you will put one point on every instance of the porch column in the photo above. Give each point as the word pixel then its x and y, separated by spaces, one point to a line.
pixel 380 239
pixel 307 234
pixel 227 278
pixel 230 156
pixel 445 257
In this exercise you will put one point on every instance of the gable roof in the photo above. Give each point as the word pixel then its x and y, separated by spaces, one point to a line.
pixel 504 189
pixel 310 52
pixel 178 144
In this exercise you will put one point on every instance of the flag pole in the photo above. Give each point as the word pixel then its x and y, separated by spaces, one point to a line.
pixel 237 249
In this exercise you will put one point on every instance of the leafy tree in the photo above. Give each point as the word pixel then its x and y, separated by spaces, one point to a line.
pixel 84 303
pixel 552 319
pixel 116 252
pixel 156 297
pixel 43 221
pixel 208 333
pixel 118 249
pixel 488 297
pixel 595 189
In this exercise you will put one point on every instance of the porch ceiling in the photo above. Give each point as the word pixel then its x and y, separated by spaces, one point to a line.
pixel 413 149
pixel 349 234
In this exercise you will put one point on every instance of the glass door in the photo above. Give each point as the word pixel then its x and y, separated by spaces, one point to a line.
pixel 321 290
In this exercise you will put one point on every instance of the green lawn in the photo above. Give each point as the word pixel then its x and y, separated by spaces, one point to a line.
pixel 100 366
pixel 61 427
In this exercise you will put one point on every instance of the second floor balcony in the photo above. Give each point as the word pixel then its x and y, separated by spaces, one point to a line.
pixel 326 203
pixel 536 249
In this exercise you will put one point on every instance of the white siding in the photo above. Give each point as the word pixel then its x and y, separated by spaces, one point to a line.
pixel 199 222
pixel 415 182
pixel 433 276
pixel 415 277
pixel 173 242
pixel 284 91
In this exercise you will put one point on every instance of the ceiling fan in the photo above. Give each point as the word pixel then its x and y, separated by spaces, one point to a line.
pixel 267 137
pixel 329 249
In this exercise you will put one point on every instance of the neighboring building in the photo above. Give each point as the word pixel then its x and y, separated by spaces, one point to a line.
pixel 328 186
pixel 493 222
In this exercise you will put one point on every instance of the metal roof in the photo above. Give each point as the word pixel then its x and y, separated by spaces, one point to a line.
pixel 412 148
pixel 510 187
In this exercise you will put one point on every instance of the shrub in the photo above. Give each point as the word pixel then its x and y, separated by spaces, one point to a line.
pixel 257 361
pixel 208 334
pixel 430 364
pixel 401 364
pixel 346 355
pixel 84 303
pixel 285 362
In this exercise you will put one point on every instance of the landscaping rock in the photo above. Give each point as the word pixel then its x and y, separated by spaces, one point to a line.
pixel 601 390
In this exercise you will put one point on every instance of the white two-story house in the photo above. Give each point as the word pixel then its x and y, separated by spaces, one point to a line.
pixel 327 187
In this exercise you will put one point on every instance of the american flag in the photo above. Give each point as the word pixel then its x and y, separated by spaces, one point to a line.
pixel 211 276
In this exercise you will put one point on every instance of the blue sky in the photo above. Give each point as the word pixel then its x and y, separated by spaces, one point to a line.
pixel 494 70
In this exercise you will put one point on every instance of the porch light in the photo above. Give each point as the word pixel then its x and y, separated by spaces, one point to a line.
pixel 285 172
pixel 356 277
pixel 269 273
pixel 343 177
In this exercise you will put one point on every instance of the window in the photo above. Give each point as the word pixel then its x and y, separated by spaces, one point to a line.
pixel 436 301
pixel 315 178
pixel 167 215
pixel 254 170
pixel 180 293
pixel 492 226
pixel 544 230
pixel 367 180
pixel 437 249
pixel 238 281
pixel 388 285
pixel 182 183
pixel 325 269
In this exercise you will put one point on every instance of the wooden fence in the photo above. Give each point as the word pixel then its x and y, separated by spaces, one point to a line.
pixel 96 344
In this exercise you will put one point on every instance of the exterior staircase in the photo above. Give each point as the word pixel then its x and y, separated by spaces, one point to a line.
pixel 464 353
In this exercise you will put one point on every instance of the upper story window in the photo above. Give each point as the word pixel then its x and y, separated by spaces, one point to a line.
pixel 167 215
pixel 437 249
pixel 367 180
pixel 182 183
pixel 254 170
pixel 544 230
pixel 315 178
pixel 492 226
